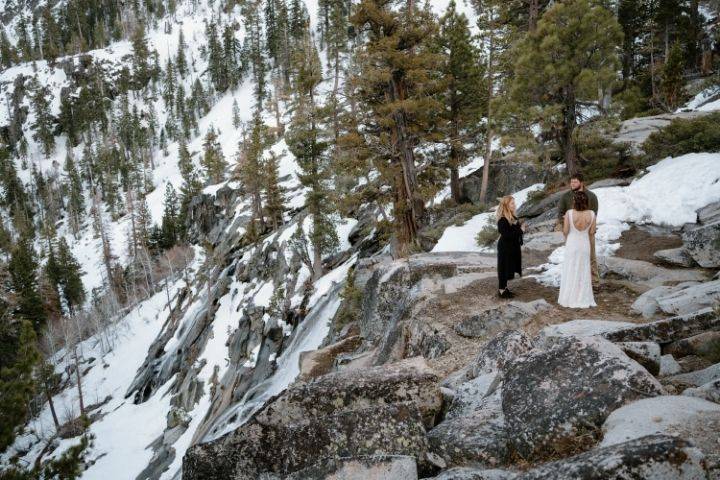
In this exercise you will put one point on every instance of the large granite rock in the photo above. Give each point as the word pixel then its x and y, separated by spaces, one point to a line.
pixel 407 381
pixel 373 467
pixel 469 473
pixel 689 298
pixel 555 399
pixel 690 418
pixel 502 348
pixel 709 391
pixel 512 315
pixel 257 448
pixel 709 214
pixel 667 330
pixel 703 244
pixel 645 273
pixel 697 378
pixel 477 437
pixel 547 204
pixel 543 241
pixel 677 257
pixel 706 345
pixel 655 457
pixel 646 354
pixel 506 178
pixel 319 362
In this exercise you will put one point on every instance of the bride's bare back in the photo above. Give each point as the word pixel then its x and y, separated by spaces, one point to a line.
pixel 582 220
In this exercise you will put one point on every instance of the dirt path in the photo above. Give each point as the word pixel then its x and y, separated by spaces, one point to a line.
pixel 446 311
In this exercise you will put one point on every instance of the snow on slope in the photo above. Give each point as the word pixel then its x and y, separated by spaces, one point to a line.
pixel 669 194
pixel 125 429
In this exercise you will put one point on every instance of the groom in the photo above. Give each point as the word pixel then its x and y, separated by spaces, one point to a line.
pixel 566 203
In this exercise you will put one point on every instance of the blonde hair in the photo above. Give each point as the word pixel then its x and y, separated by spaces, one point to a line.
pixel 503 210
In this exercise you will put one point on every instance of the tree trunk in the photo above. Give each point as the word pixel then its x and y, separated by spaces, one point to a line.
pixel 455 184
pixel 534 12
pixel 411 205
pixel 489 134
pixel 79 383
pixel 52 406
pixel 568 130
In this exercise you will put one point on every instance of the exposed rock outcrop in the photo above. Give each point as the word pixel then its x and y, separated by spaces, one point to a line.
pixel 648 458
pixel 559 397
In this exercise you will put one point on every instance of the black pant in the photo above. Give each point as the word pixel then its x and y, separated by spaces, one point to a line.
pixel 502 281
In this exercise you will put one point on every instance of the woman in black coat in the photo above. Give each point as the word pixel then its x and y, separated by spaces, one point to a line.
pixel 508 247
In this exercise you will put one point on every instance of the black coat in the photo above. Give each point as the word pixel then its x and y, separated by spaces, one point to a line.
pixel 508 249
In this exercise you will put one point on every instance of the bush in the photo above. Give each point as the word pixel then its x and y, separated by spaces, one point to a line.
pixel 683 136
pixel 487 235
pixel 600 157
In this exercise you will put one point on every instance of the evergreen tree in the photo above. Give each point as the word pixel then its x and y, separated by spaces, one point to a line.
pixel 17 384
pixel 231 55
pixel 673 78
pixel 168 92
pixel 169 227
pixel 23 276
pixel 75 198
pixel 249 169
pixel 141 57
pixel 43 125
pixel 274 193
pixel 213 160
pixel 305 140
pixel 395 82
pixel 216 58
pixel 8 54
pixel 182 67
pixel 572 53
pixel 464 91
pixel 71 284
pixel 255 47
pixel 236 114
pixel 191 183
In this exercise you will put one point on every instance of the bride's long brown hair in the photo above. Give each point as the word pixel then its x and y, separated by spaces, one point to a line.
pixel 503 210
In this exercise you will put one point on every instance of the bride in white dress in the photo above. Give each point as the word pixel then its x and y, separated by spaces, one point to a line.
pixel 576 281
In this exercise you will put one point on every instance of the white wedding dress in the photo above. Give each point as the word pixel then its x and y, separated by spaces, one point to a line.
pixel 576 281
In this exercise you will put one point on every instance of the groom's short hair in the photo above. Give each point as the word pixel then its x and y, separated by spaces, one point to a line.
pixel 577 176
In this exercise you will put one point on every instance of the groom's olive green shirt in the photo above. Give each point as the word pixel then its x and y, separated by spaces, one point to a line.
pixel 566 203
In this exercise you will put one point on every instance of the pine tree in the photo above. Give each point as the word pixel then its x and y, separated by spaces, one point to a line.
pixel 255 47
pixel 249 169
pixel 169 86
pixel 75 198
pixel 231 56
pixel 181 61
pixel 395 82
pixel 572 53
pixel 274 192
pixel 236 114
pixel 216 58
pixel 17 384
pixel 191 183
pixel 672 80
pixel 169 226
pixel 23 276
pixel 213 160
pixel 141 57
pixel 463 93
pixel 8 54
pixel 71 284
pixel 43 125
pixel 306 140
